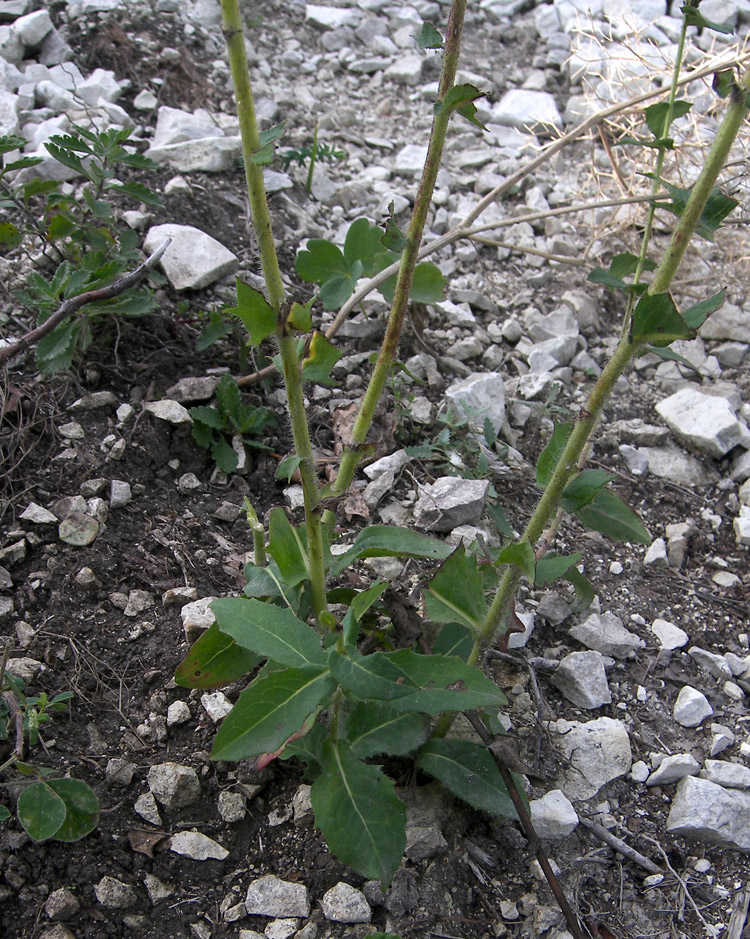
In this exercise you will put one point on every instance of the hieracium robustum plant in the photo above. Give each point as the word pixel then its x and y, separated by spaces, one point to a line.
pixel 335 681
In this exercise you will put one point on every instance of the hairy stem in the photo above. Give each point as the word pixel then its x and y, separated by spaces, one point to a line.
pixel 353 452
pixel 235 41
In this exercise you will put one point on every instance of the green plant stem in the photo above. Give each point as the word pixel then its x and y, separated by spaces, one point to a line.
pixel 625 352
pixel 353 452
pixel 311 168
pixel 233 33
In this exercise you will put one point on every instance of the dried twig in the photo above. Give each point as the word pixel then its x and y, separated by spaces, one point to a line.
pixel 621 847
pixel 683 884
pixel 528 828
pixel 739 915
pixel 73 304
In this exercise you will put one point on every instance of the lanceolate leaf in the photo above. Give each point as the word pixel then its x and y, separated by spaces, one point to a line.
pixel 287 547
pixel 656 321
pixel 455 593
pixel 693 17
pixel 552 566
pixel 214 659
pixel 443 684
pixel 469 772
pixel 716 209
pixel 697 315
pixel 359 814
pixel 372 729
pixel 548 458
pixel 454 639
pixel 609 515
pixel 268 630
pixel 584 590
pixel 584 488
pixel 309 748
pixel 520 555
pixel 258 318
pixel 379 541
pixel 270 711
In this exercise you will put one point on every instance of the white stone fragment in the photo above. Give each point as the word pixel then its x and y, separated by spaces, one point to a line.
pixel 410 159
pixel 532 111
pixel 197 617
pixel 216 705
pixel 656 556
pixel 232 806
pixel 670 636
pixel 171 411
pixel 715 664
pixel 331 17
pixel 145 806
pixel 581 677
pixel 345 904
pixel 673 768
pixel 38 515
pixel 707 422
pixel 605 633
pixel 197 846
pixel 178 712
pixel 711 814
pixel 271 896
pixel 174 784
pixel 119 494
pixel 639 772
pixel 114 894
pixel 595 752
pixel 479 397
pixel 450 501
pixel 193 259
pixel 691 707
pixel 553 816
pixel 724 773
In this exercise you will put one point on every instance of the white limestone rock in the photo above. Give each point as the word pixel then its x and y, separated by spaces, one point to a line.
pixel 670 636
pixel 707 422
pixel 410 159
pixel 170 411
pixel 711 814
pixel 206 155
pixel 197 846
pixel 193 259
pixel 272 896
pixel 174 784
pixel 726 774
pixel 450 501
pixel 478 397
pixel 173 125
pixel 197 616
pixel 581 677
pixel 691 707
pixel 345 904
pixel 605 633
pixel 729 322
pixel 331 17
pixel 656 555
pixel 595 753
pixel 532 111
pixel 553 816
pixel 673 768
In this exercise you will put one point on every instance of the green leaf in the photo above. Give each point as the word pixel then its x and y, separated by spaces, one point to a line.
pixel 622 265
pixel 10 236
pixel 258 318
pixel 260 582
pixel 359 814
pixel 672 356
pixel 584 488
pixel 270 711
pixel 81 809
pixel 501 521
pixel 609 515
pixel 716 209
pixel 335 292
pixel 309 748
pixel 299 318
pixel 552 566
pixel 216 328
pixel 208 416
pixel 656 116
pixel 229 399
pixel 461 98
pixel 288 547
pixel 358 607
pixel 387 541
pixel 584 590
pixel 224 456
pixel 321 261
pixel 363 244
pixel 693 17
pixel 443 684
pixel 214 659
pixel 288 467
pixel 724 82
pixel 321 358
pixel 549 457
pixel 264 154
pixel 4 814
pixel 41 811
pixel 454 639
pixel 469 772
pixel 393 238
pixel 372 729
pixel 65 156
pixel 429 37
pixel 428 284
pixel 520 555
pixel 370 677
pixel 697 314
pixel 54 352
pixel 455 594
pixel 657 321
pixel 268 630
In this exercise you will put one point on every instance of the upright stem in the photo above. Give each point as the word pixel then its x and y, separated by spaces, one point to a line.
pixel 353 452
pixel 235 41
